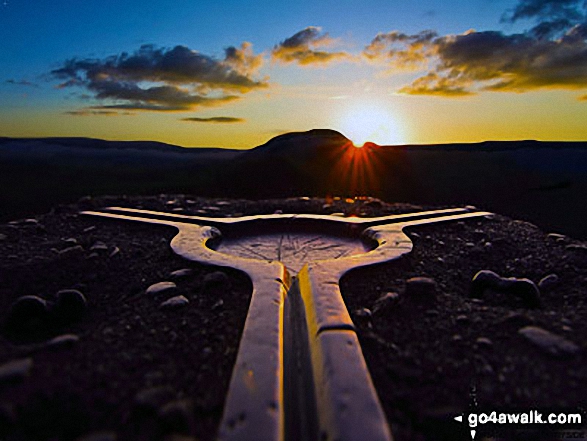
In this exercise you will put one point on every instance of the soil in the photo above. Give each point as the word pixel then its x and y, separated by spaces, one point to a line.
pixel 138 371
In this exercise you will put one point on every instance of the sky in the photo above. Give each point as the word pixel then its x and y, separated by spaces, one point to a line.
pixel 235 74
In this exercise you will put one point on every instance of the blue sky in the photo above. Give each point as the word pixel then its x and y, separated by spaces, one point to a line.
pixel 39 37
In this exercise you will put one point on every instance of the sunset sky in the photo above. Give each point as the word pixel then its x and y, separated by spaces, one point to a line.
pixel 235 74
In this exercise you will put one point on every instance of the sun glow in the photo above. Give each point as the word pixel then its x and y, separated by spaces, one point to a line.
pixel 370 123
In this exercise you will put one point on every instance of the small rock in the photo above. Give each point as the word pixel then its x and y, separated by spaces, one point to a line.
pixel 99 436
pixel 181 273
pixel 27 313
pixel 70 305
pixel 219 303
pixel 99 246
pixel 153 398
pixel 556 237
pixel 15 370
pixel 177 417
pixel 580 248
pixel 388 300
pixel 115 251
pixel 548 282
pixel 62 341
pixel 72 252
pixel 550 343
pixel 3 237
pixel 462 320
pixel 174 303
pixel 363 317
pixel 524 289
pixel 89 229
pixel 160 288
pixel 216 279
pixel 514 321
pixel 421 289
pixel 484 342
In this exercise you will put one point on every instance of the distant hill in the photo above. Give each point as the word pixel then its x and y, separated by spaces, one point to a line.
pixel 544 182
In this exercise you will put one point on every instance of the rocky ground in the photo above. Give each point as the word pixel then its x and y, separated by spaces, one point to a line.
pixel 104 350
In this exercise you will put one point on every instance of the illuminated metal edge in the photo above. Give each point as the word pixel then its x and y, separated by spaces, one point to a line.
pixel 346 401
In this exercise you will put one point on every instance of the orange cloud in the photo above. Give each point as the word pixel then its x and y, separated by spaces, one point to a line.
pixel 304 48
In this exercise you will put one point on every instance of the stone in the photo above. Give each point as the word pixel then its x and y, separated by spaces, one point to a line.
pixel 548 282
pixel 15 370
pixel 421 289
pixel 160 288
pixel 387 300
pixel 174 303
pixel 181 273
pixel 99 246
pixel 154 397
pixel 363 317
pixel 3 236
pixel 579 248
pixel 177 417
pixel 115 251
pixel 216 279
pixel 551 344
pixel 99 436
pixel 71 252
pixel 484 342
pixel 70 305
pixel 64 341
pixel 27 313
pixel 515 320
pixel 524 289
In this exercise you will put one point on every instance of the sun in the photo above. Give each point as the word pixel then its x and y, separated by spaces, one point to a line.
pixel 370 123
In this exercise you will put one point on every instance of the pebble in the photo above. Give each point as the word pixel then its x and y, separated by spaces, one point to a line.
pixel 548 282
pixel 556 237
pixel 71 252
pixel 161 287
pixel 214 279
pixel 70 305
pixel 524 289
pixel 174 303
pixel 27 313
pixel 363 316
pixel 484 342
pixel 462 320
pixel 62 341
pixel 181 273
pixel 99 436
pixel 515 320
pixel 99 246
pixel 548 342
pixel 153 397
pixel 15 370
pixel 115 251
pixel 577 248
pixel 387 300
pixel 3 236
pixel 177 417
pixel 421 288
pixel 219 303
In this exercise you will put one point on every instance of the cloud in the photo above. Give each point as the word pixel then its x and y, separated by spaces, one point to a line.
pixel 164 79
pixel 304 48
pixel 22 83
pixel 89 112
pixel 464 64
pixel 216 120
pixel 402 51
pixel 242 59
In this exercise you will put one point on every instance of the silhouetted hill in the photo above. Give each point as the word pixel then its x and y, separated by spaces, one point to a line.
pixel 544 182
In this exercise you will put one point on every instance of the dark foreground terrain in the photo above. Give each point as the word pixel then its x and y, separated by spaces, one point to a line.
pixel 541 182
pixel 126 367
